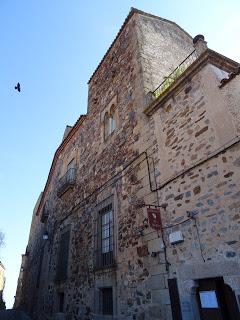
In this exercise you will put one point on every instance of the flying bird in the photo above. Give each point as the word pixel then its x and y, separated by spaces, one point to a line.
pixel 17 87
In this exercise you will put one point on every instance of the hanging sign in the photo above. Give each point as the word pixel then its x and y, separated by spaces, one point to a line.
pixel 142 251
pixel 154 218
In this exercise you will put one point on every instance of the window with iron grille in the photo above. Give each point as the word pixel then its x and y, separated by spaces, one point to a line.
pixel 107 301
pixel 104 255
pixel 61 301
pixel 62 266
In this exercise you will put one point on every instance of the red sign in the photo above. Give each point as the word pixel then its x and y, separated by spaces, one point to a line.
pixel 142 251
pixel 154 218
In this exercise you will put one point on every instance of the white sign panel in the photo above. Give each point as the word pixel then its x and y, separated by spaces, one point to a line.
pixel 208 299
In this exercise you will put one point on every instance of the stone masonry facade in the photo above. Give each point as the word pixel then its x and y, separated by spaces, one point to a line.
pixel 92 251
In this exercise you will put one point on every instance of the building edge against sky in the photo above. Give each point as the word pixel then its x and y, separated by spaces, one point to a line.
pixel 150 140
pixel 2 285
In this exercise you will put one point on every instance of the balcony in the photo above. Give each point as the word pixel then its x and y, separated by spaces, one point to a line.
pixel 67 182
pixel 172 77
pixel 104 260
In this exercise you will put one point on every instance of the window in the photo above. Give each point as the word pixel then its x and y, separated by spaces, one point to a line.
pixel 106 125
pixel 107 301
pixel 71 165
pixel 61 301
pixel 104 236
pixel 109 122
pixel 112 120
pixel 106 231
pixel 68 180
pixel 62 266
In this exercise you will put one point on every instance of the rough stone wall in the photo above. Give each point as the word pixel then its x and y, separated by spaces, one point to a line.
pixel 191 125
pixel 157 38
pixel 198 128
pixel 97 161
pixel 27 290
pixel 231 96
pixel 119 78
pixel 186 129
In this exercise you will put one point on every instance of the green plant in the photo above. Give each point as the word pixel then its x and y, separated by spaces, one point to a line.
pixel 168 81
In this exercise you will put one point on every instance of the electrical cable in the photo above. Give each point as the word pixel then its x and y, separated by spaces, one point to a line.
pixel 199 240
pixel 226 146
pixel 167 181
pixel 120 175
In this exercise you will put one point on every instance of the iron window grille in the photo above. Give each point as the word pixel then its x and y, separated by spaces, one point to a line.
pixel 61 301
pixel 107 301
pixel 104 238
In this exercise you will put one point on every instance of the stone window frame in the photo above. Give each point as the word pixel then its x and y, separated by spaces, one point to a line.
pixel 106 277
pixel 66 159
pixel 99 211
pixel 109 119
pixel 105 281
pixel 103 308
pixel 59 259
pixel 107 231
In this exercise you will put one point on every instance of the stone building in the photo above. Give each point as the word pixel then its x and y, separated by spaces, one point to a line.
pixel 2 285
pixel 140 214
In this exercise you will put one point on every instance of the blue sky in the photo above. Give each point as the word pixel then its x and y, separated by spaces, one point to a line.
pixel 52 48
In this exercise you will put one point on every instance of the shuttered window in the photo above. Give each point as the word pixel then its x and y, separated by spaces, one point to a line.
pixel 63 254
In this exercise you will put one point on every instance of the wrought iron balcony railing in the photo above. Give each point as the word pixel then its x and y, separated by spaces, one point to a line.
pixel 67 181
pixel 172 77
pixel 104 260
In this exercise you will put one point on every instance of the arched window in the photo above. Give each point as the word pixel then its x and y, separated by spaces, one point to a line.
pixel 106 125
pixel 112 119
pixel 109 122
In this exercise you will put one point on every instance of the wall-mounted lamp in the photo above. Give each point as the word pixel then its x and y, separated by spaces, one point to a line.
pixel 154 254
